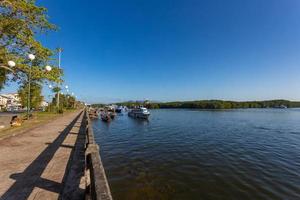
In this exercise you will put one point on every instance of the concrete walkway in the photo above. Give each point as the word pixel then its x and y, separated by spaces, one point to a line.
pixel 33 165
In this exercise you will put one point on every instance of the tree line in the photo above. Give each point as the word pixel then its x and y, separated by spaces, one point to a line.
pixel 219 104
pixel 212 104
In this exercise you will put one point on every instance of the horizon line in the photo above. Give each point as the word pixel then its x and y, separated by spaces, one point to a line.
pixel 154 101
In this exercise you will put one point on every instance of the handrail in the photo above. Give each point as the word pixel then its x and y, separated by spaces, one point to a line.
pixel 97 184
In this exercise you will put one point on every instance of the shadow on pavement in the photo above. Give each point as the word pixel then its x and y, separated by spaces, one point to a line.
pixel 31 176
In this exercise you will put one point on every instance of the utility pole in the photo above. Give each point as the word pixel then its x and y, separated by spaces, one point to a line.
pixel 59 60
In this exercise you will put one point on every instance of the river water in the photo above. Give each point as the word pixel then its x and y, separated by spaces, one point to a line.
pixel 196 154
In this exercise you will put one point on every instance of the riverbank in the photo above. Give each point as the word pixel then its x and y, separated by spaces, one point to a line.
pixel 39 119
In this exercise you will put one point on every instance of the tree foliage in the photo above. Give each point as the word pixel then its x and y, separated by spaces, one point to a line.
pixel 56 89
pixel 2 77
pixel 36 97
pixel 219 104
pixel 65 101
pixel 20 22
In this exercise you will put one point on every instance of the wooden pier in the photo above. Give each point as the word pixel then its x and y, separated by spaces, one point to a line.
pixel 59 160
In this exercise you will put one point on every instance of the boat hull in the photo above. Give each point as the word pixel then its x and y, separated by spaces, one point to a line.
pixel 118 110
pixel 105 118
pixel 112 115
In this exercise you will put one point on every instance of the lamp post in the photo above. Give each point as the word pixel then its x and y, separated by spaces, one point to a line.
pixel 73 99
pixel 11 64
pixel 50 98
pixel 48 68
pixel 31 58
pixel 67 89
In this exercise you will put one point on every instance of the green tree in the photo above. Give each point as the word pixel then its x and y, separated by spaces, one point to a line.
pixel 20 22
pixel 65 101
pixel 36 97
pixel 71 102
pixel 56 90
pixel 3 73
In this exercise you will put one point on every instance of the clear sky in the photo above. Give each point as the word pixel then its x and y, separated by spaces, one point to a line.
pixel 178 49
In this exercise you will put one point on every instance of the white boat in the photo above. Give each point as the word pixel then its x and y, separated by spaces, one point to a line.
pixel 281 106
pixel 140 112
pixel 119 109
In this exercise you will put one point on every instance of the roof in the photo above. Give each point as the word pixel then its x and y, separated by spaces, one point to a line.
pixel 3 96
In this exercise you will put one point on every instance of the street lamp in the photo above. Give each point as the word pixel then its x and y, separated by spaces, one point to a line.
pixel 11 63
pixel 31 57
pixel 48 68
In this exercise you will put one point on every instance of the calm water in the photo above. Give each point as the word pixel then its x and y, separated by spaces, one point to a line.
pixel 192 154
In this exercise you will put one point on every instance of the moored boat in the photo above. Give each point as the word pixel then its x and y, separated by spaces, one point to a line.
pixel 119 109
pixel 105 117
pixel 140 112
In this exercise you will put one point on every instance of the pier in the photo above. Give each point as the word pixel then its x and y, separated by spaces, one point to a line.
pixel 58 160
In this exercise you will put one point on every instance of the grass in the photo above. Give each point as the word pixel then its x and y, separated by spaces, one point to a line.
pixel 39 118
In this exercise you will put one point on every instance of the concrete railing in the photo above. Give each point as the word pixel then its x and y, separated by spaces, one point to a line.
pixel 97 185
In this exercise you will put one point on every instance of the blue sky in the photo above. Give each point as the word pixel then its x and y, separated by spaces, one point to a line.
pixel 168 50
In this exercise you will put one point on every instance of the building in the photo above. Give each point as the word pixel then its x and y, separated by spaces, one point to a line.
pixel 44 104
pixel 3 101
pixel 10 102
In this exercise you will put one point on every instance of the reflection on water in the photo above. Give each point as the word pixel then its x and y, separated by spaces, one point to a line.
pixel 191 154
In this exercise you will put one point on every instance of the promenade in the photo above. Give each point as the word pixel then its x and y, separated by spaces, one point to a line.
pixel 35 165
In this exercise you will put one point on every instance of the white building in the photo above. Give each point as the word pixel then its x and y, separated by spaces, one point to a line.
pixel 44 104
pixel 3 101
pixel 10 101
